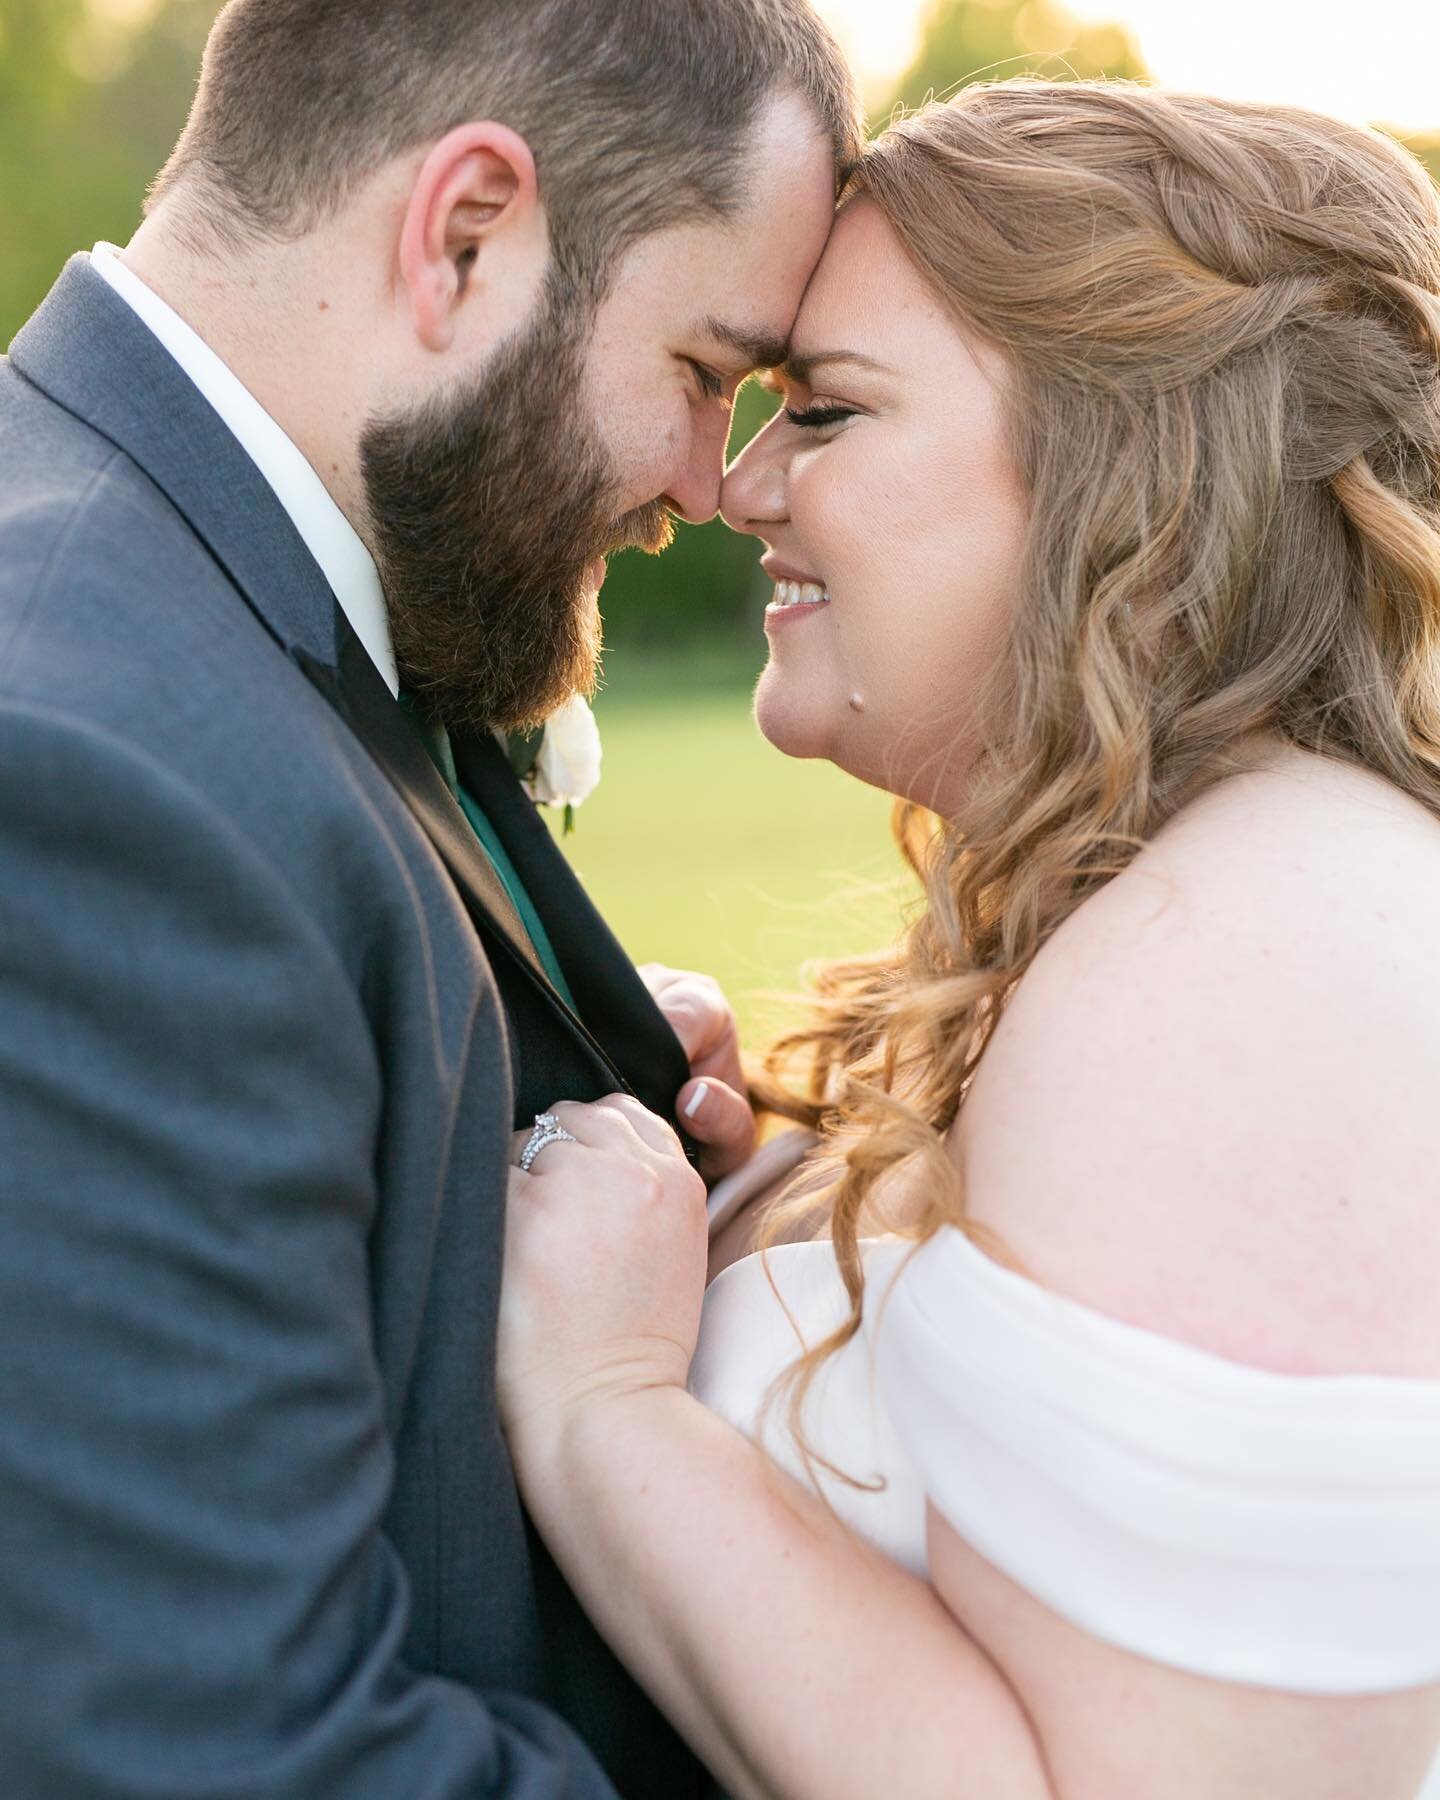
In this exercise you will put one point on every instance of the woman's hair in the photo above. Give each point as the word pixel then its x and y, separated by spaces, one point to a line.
pixel 1222 330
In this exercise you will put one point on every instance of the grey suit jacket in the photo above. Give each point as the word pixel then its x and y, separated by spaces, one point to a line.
pixel 258 1530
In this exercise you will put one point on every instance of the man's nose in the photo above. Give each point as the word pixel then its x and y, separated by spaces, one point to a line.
pixel 695 492
pixel 752 495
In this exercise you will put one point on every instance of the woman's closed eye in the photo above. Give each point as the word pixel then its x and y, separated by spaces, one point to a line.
pixel 817 415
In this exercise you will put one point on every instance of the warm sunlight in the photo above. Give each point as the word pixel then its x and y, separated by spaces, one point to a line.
pixel 123 12
pixel 880 37
pixel 1379 62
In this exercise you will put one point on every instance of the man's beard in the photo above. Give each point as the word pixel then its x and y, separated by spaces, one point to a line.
pixel 486 511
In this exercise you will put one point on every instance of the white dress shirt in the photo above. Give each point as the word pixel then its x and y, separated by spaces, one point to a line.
pixel 329 536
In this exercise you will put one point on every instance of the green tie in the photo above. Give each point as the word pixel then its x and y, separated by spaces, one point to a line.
pixel 437 742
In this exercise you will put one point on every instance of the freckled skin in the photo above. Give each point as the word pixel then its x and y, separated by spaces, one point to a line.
pixel 911 513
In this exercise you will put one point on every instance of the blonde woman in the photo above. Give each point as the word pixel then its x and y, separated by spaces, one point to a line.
pixel 1104 513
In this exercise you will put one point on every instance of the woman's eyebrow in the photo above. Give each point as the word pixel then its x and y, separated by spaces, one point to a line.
pixel 800 366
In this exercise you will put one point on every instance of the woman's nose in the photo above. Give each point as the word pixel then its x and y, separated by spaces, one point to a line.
pixel 752 495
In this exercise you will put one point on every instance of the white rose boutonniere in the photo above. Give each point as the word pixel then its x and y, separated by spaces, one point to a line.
pixel 560 763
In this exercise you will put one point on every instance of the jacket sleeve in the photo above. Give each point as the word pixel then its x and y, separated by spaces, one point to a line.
pixel 196 1597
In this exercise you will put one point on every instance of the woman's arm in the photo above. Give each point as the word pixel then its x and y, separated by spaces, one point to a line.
pixel 1118 1725
pixel 796 1660
pixel 1207 1114
pixel 800 1663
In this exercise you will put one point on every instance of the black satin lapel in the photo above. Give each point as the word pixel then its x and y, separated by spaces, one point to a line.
pixel 613 1001
pixel 358 692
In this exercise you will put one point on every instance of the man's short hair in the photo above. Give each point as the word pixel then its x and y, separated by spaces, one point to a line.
pixel 636 110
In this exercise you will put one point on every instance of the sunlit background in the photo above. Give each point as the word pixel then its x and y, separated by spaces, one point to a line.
pixel 1370 63
pixel 704 846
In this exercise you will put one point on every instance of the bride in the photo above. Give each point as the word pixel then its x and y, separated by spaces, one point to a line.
pixel 1082 1441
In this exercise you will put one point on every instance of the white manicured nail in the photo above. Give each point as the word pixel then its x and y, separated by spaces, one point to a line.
pixel 697 1100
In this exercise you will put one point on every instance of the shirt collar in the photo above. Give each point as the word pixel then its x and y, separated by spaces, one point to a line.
pixel 328 535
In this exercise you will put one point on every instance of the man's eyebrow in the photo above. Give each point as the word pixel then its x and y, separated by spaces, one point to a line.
pixel 757 346
pixel 799 368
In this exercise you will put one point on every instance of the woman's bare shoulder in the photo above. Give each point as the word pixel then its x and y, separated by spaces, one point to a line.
pixel 1213 1106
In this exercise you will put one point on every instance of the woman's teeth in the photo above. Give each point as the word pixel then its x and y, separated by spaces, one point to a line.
pixel 800 593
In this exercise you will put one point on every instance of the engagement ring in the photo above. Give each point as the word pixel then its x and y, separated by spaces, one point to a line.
pixel 548 1130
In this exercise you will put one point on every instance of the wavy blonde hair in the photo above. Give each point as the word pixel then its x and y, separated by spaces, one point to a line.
pixel 1222 328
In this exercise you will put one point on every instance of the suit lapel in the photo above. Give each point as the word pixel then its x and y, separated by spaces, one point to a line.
pixel 88 351
pixel 358 693
pixel 608 992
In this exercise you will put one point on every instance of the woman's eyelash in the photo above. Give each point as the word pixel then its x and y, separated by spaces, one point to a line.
pixel 811 418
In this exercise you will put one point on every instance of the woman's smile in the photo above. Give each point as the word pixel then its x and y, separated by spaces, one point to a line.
pixel 795 600
pixel 889 469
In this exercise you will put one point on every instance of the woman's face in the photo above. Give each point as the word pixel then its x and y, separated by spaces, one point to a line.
pixel 886 488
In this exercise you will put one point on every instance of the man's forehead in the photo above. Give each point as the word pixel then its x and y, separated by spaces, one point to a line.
pixel 758 346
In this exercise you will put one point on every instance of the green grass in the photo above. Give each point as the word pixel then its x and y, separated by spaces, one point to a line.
pixel 707 849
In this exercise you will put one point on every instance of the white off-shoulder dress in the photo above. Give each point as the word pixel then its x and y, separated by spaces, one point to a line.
pixel 1275 1530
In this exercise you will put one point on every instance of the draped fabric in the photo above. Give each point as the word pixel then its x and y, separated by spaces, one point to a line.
pixel 1252 1527
pixel 1274 1529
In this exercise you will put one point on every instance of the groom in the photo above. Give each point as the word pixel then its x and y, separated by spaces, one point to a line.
pixel 437 303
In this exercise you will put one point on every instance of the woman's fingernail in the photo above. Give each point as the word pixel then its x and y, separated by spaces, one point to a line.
pixel 697 1100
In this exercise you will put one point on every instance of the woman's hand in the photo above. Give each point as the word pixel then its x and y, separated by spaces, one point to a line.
pixel 713 1105
pixel 604 1268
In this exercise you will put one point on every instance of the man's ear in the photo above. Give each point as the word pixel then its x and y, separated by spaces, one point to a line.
pixel 477 183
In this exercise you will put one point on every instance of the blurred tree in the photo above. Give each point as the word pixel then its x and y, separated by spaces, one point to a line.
pixel 988 40
pixel 1426 147
pixel 92 96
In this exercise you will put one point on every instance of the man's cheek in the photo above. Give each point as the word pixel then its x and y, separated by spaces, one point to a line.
pixel 649 460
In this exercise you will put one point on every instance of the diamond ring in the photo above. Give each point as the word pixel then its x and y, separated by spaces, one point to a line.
pixel 548 1130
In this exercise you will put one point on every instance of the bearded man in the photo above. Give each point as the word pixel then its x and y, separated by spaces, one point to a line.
pixel 302 496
